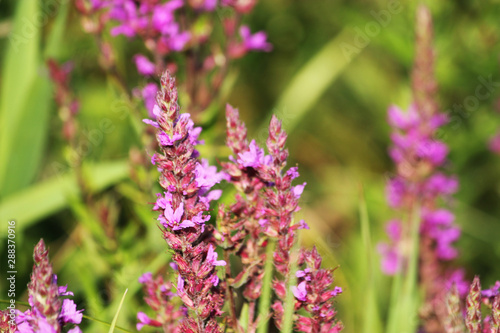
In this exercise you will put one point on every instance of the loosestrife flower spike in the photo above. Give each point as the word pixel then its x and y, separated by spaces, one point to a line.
pixel 453 322
pixel 495 315
pixel 473 318
pixel 183 211
pixel 419 181
pixel 160 298
pixel 48 312
pixel 264 208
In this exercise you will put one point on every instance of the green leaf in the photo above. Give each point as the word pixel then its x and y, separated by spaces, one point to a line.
pixel 242 278
pixel 312 80
pixel 53 47
pixel 54 194
pixel 28 140
pixel 23 102
pixel 243 320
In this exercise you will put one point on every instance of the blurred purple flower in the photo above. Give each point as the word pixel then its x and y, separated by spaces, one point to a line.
pixel 144 67
pixel 149 96
pixel 255 42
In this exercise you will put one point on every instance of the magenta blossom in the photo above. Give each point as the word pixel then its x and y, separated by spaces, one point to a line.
pixel 255 42
pixel 300 291
pixel 144 66
pixel 149 95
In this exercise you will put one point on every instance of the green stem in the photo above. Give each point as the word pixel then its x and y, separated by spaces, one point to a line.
pixel 265 297
pixel 291 280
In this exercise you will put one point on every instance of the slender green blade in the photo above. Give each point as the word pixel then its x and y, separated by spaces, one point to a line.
pixel 53 47
pixel 52 195
pixel 265 296
pixel 372 321
pixel 405 298
pixel 104 323
pixel 289 304
pixel 19 72
pixel 28 140
pixel 115 318
pixel 410 294
pixel 311 81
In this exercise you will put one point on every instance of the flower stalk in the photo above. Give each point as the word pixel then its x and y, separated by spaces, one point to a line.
pixel 183 211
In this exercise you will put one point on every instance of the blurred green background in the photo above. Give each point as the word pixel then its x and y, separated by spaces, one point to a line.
pixel 333 106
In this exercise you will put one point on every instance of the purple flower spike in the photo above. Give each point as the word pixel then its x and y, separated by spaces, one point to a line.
pixel 48 312
pixel 420 189
pixel 183 212
pixel 265 205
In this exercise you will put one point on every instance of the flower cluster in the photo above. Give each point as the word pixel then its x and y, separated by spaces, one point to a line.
pixel 420 187
pixel 183 210
pixel 240 231
pixel 49 312
pixel 418 156
pixel 314 295
pixel 7 321
pixel 264 208
pixel 175 27
pixel 471 317
pixel 159 297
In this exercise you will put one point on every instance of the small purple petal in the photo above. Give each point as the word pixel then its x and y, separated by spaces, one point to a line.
pixel 151 122
pixel 146 277
pixel 300 291
pixel 144 66
pixel 69 314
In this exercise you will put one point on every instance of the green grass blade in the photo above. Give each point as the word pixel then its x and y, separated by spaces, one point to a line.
pixel 371 320
pixel 410 303
pixel 54 194
pixel 311 81
pixel 394 306
pixel 404 299
pixel 53 48
pixel 243 320
pixel 29 138
pixel 19 73
pixel 105 323
pixel 115 318
pixel 289 304
pixel 265 297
